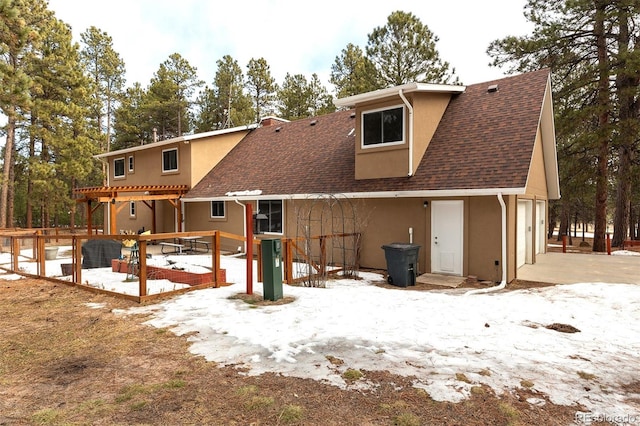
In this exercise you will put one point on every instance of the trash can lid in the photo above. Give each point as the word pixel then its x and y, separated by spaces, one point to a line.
pixel 400 246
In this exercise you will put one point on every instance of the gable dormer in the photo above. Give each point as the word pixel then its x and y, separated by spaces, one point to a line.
pixel 394 127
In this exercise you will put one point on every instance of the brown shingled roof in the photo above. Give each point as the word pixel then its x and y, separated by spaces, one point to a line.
pixel 484 141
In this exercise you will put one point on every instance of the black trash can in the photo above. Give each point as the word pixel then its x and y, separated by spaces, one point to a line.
pixel 402 263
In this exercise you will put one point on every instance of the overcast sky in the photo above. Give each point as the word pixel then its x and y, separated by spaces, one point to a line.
pixel 293 36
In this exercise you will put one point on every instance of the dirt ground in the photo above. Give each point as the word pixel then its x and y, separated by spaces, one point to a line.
pixel 64 362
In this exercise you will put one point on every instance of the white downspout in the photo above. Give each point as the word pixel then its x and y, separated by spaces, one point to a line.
pixel 244 222
pixel 503 283
pixel 410 108
pixel 106 228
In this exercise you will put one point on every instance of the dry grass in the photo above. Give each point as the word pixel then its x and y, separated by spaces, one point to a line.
pixel 64 363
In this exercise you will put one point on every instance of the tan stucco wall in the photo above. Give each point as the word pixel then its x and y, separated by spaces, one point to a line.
pixel 537 180
pixel 148 167
pixel 393 161
pixel 205 154
pixel 428 110
pixel 198 218
pixel 484 238
pixel 384 221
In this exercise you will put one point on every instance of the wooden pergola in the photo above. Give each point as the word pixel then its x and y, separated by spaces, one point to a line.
pixel 117 197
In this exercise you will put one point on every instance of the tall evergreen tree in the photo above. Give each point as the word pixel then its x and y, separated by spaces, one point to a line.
pixel 580 41
pixel 107 75
pixel 320 101
pixel 353 73
pixel 207 118
pixel 170 96
pixel 225 104
pixel 132 125
pixel 61 139
pixel 404 51
pixel 233 105
pixel 19 37
pixel 261 87
pixel 294 97
pixel 626 138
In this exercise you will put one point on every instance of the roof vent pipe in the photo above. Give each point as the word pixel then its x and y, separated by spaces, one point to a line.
pixel 410 108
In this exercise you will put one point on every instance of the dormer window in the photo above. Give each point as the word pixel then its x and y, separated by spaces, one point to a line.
pixel 383 127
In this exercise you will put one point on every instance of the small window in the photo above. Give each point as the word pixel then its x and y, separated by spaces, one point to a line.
pixel 383 127
pixel 132 209
pixel 131 164
pixel 118 168
pixel 217 209
pixel 273 210
pixel 170 160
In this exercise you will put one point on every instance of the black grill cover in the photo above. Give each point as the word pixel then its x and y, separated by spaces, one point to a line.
pixel 99 253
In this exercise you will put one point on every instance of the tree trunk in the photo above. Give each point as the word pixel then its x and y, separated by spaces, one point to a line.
pixel 623 191
pixel 626 85
pixel 6 172
pixel 11 195
pixel 552 222
pixel 602 157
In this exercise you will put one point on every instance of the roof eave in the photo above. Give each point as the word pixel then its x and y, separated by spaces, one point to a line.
pixel 185 139
pixel 350 101
pixel 435 193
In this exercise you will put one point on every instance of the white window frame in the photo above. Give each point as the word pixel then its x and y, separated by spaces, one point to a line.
pixel 177 160
pixel 118 160
pixel 130 162
pixel 132 209
pixel 224 210
pixel 282 224
pixel 383 144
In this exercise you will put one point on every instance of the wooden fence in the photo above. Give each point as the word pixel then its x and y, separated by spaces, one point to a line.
pixel 32 245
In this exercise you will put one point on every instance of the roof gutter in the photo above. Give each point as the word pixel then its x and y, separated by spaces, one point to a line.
pixel 410 108
pixel 503 283
pixel 437 193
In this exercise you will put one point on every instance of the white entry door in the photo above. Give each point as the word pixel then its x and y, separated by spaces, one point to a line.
pixel 541 214
pixel 523 232
pixel 447 224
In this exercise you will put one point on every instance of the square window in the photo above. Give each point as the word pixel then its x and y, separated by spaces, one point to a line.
pixel 118 168
pixel 170 160
pixel 383 127
pixel 274 212
pixel 217 209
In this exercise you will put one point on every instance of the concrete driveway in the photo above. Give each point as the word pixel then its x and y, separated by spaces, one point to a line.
pixel 569 268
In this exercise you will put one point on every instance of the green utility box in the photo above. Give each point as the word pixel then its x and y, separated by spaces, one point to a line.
pixel 272 268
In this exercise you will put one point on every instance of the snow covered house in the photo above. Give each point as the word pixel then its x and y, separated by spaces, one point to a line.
pixel 464 172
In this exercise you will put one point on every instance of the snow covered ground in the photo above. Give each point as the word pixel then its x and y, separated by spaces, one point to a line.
pixel 448 340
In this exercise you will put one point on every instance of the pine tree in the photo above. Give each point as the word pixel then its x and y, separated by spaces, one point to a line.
pixel 61 141
pixel 353 73
pixel 404 51
pixel 132 125
pixel 18 38
pixel 233 105
pixel 581 41
pixel 169 96
pixel 261 87
pixel 320 101
pixel 294 97
pixel 107 75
